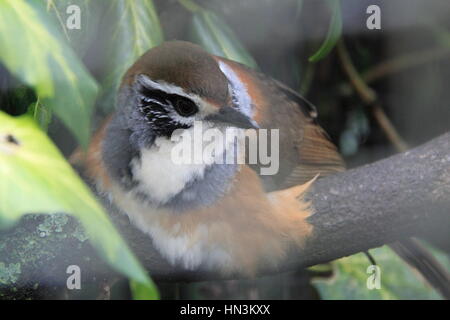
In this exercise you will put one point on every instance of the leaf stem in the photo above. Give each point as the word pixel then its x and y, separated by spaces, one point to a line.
pixel 333 34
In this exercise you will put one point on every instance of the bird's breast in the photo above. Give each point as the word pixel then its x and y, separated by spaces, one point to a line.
pixel 158 176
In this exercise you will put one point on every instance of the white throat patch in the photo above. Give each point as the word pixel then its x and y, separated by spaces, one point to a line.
pixel 161 177
pixel 158 176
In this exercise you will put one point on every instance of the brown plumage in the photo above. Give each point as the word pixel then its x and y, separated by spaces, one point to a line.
pixel 305 148
pixel 182 58
pixel 257 218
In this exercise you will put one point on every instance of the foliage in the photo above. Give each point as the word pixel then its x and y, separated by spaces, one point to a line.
pixel 137 31
pixel 397 282
pixel 141 291
pixel 214 35
pixel 334 32
pixel 49 76
pixel 37 179
pixel 32 49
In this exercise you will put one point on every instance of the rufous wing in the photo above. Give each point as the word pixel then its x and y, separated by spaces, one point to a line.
pixel 304 147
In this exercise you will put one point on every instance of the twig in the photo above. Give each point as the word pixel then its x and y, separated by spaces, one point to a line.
pixel 404 62
pixel 370 97
pixel 388 128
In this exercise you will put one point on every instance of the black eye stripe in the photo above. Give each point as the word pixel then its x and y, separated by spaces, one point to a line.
pixel 153 94
pixel 148 101
pixel 182 105
pixel 159 107
pixel 160 96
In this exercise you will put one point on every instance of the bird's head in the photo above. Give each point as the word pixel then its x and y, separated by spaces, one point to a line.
pixel 171 87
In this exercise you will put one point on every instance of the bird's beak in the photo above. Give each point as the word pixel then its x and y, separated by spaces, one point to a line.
pixel 233 117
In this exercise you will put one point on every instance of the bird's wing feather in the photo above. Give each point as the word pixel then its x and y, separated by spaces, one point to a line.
pixel 305 148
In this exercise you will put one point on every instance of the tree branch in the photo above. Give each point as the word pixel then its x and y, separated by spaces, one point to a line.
pixel 367 207
pixel 401 196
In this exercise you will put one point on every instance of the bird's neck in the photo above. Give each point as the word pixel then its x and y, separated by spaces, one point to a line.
pixel 164 183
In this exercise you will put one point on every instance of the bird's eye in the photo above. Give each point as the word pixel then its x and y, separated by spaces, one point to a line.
pixel 185 107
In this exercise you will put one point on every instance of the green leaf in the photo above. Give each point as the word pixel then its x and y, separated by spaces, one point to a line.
pixel 334 32
pixel 136 29
pixel 90 14
pixel 35 178
pixel 398 280
pixel 41 114
pixel 141 291
pixel 33 50
pixel 213 34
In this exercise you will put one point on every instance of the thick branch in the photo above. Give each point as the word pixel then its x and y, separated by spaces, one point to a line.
pixel 367 207
pixel 363 208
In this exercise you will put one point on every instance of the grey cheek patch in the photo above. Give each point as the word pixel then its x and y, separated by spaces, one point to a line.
pixel 126 134
pixel 117 153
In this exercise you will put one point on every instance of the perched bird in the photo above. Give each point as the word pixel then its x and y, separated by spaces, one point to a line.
pixel 216 215
pixel 209 216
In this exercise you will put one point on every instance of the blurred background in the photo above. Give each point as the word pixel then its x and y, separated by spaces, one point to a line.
pixel 377 91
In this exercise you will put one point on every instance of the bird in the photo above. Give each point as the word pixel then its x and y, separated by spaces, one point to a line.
pixel 223 217
pixel 215 216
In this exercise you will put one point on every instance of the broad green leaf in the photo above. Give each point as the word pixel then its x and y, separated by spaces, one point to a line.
pixel 334 32
pixel 32 49
pixel 142 291
pixel 209 31
pixel 35 178
pixel 63 14
pixel 398 280
pixel 134 30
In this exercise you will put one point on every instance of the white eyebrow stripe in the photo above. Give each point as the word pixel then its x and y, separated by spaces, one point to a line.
pixel 240 93
pixel 162 86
